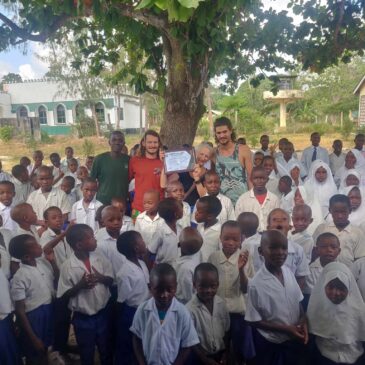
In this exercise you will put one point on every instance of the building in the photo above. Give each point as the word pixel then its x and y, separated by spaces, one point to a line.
pixel 44 102
pixel 360 90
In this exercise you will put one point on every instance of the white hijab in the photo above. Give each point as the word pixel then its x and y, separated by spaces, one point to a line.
pixel 344 322
pixel 357 217
pixel 344 176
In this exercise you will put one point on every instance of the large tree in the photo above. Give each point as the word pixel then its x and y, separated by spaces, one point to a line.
pixel 187 42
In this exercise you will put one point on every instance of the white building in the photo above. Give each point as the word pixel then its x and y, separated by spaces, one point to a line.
pixel 57 111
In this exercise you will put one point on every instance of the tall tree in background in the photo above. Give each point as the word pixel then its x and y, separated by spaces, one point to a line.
pixel 9 78
pixel 186 42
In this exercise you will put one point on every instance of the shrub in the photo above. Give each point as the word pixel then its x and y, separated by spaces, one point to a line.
pixel 46 138
pixel 88 147
pixel 6 133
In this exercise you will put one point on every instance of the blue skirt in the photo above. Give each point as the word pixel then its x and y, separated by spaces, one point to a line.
pixel 8 347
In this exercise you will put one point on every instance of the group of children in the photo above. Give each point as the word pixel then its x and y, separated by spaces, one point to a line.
pixel 279 278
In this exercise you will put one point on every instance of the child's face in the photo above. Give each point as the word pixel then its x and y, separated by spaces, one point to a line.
pixel 355 199
pixel 56 161
pixel 295 173
pixel 72 166
pixel 259 179
pixel 54 219
pixel 82 173
pixel 336 291
pixel 69 153
pixel 34 249
pixel 328 249
pixel 279 220
pixel 258 159
pixel 337 147
pixel 206 286
pixel 288 151
pixel 163 290
pixel 298 199
pixel 120 206
pixel 30 215
pixel 283 187
pixel 359 142
pixel 212 184
pixel 340 213
pixel 88 242
pixel 7 194
pixel 45 180
pixel 301 220
pixel 321 174
pixel 274 252
pixel 113 221
pixel 352 180
pixel 201 214
pixel 24 176
pixel 66 186
pixel 38 158
pixel 89 163
pixel 268 165
pixel 150 202
pixel 89 191
pixel 264 142
pixel 35 183
pixel 231 239
pixel 177 192
pixel 350 160
pixel 141 248
pixel 179 210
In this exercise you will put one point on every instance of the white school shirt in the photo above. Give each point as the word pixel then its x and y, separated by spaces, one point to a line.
pixel 164 244
pixel 33 284
pixel 315 270
pixel 56 172
pixel 273 185
pixel 72 198
pixel 185 221
pixel 336 162
pixel 62 250
pixel 132 281
pixel 184 267
pixel 86 216
pixel 22 191
pixel 33 232
pixel 322 154
pixel 297 261
pixel 211 239
pixel 107 246
pixel 87 301
pixel 251 244
pixel 128 224
pixel 211 327
pixel 269 300
pixel 162 342
pixel 56 198
pixel 247 202
pixel 5 214
pixel 5 300
pixel 4 176
pixel 358 270
pixel 4 252
pixel 229 279
pixel 351 239
pixel 147 227
pixel 304 240
pixel 284 166
pixel 287 201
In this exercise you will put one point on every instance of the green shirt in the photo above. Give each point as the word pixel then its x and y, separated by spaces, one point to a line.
pixel 112 175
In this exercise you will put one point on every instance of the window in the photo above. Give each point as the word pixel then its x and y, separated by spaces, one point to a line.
pixel 100 112
pixel 23 112
pixel 42 114
pixel 61 114
pixel 121 114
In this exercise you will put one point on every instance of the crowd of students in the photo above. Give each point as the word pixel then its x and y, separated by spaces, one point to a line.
pixel 276 276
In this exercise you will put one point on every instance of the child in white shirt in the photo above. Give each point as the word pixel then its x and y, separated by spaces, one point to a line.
pixel 121 204
pixel 67 186
pixel 22 184
pixel 175 189
pixel 7 194
pixel 5 259
pixel 58 171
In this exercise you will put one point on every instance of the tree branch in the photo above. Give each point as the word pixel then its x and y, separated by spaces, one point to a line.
pixel 339 23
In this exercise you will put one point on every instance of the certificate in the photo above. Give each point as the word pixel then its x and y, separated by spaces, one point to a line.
pixel 179 160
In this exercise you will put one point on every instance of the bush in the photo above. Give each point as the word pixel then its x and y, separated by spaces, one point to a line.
pixel 347 128
pixel 88 148
pixel 46 138
pixel 85 127
pixel 203 128
pixel 6 133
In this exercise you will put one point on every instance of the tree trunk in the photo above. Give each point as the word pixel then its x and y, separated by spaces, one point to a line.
pixel 96 122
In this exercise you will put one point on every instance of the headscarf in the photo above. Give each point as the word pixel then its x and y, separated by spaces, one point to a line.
pixel 345 176
pixel 357 217
pixel 344 322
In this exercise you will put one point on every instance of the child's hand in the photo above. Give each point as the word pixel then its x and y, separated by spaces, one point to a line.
pixel 97 277
pixel 242 260
pixel 298 333
pixel 41 223
pixel 70 224
pixel 49 255
pixel 87 282
pixel 303 327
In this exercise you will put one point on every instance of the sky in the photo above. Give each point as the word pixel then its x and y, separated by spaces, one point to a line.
pixel 29 66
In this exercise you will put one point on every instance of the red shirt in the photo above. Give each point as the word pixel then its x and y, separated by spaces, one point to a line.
pixel 142 169
pixel 261 198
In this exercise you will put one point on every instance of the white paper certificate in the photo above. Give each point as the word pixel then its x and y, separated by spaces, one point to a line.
pixel 179 160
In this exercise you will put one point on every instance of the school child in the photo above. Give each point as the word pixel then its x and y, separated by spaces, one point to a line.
pixel 164 245
pixel 4 176
pixel 98 216
pixel 190 243
pixel 336 316
pixel 47 195
pixel 163 331
pixel 5 259
pixel 234 268
pixel 84 210
pixel 175 189
pixel 26 162
pixel 69 154
pixel 148 221
pixel 21 183
pixel 58 171
pixel 72 165
pixel 337 157
pixel 8 347
pixel 287 193
pixel 26 218
pixel 258 200
pixel 287 160
pixel 264 142
pixel 84 281
pixel 358 270
pixel 258 158
pixel 302 218
pixel 357 202
pixel 210 317
pixel 350 178
pixel 89 163
pixel 121 204
pixel 68 187
pixel 351 237
pixel 37 163
pixel 273 306
pixel 81 174
pixel 7 193
pixel 270 167
pixel 132 280
pixel 32 290
pixel 208 209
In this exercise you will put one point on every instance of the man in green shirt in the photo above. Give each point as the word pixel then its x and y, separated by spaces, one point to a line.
pixel 111 170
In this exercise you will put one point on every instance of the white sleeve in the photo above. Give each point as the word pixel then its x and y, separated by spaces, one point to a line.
pixel 125 287
pixel 302 266
pixel 73 211
pixel 65 282
pixel 252 307
pixel 189 337
pixel 138 327
pixel 65 204
pixel 17 288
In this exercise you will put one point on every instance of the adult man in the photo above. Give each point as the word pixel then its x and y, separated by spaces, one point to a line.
pixel 111 170
pixel 233 161
pixel 146 168
pixel 359 143
pixel 314 152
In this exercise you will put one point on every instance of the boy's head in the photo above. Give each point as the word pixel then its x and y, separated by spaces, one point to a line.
pixel 175 189
pixel 34 182
pixel 25 161
pixel 337 146
pixel 259 179
pixel 89 162
pixel 268 164
pixel 131 245
pixel 45 178
pixel 206 282
pixel 281 143
pixel 211 182
pixel 279 220
pixel 274 248
pixel 7 192
pixel 69 152
pixel 288 150
pixel 241 140
pixel 359 141
pixel 355 198
pixel 72 165
pixel 285 184
pixel 315 139
pixel 38 157
pixel 55 159
pixel 231 237
pixel 208 209
pixel 249 223
pixel 82 173
pixel 327 247
pixel 150 201
pixel 68 183
pixel 89 188
pixel 120 204
pixel 25 248
pixel 301 217
pixel 112 220
pixel 190 241
pixel 163 285
pixel 264 141
pixel 258 158
pixel 340 209
pixel 20 172
pixel 53 218
pixel 170 209
pixel 81 238
pixel 23 213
